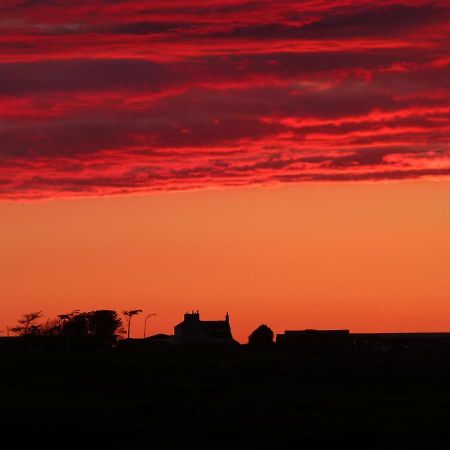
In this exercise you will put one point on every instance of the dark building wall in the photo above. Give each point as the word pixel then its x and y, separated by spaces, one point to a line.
pixel 314 339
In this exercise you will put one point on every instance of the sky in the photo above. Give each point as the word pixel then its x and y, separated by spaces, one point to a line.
pixel 207 141
pixel 369 257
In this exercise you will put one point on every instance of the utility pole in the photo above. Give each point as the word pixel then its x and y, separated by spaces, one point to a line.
pixel 145 322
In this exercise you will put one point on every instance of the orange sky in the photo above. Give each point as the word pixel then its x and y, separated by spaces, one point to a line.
pixel 369 257
pixel 211 100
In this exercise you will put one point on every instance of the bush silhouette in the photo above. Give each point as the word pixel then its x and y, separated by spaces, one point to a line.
pixel 261 337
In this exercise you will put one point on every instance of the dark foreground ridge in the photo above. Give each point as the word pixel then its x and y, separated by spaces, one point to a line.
pixel 272 393
pixel 308 385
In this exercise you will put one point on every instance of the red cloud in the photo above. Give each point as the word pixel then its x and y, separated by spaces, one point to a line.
pixel 102 98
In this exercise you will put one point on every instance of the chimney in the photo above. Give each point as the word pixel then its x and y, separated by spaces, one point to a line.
pixel 193 316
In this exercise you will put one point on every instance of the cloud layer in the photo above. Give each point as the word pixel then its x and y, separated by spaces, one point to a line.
pixel 102 98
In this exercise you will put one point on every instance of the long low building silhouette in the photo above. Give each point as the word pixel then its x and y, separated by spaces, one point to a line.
pixel 314 339
pixel 402 341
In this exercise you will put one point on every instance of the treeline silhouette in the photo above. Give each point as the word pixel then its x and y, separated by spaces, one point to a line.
pixel 104 326
pixel 99 326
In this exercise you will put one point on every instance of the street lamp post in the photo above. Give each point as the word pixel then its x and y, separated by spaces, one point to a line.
pixel 145 322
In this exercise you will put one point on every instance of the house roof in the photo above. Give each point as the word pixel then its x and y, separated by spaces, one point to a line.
pixel 207 323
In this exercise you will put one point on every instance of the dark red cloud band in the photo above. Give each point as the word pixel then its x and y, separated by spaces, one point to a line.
pixel 102 98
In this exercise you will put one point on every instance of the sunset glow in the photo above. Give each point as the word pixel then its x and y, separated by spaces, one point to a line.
pixel 287 162
pixel 364 257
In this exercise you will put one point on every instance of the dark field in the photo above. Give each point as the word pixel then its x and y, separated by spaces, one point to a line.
pixel 193 394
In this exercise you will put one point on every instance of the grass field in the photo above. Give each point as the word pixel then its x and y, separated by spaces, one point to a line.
pixel 198 393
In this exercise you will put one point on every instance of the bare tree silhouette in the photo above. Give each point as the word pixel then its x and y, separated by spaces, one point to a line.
pixel 130 313
pixel 27 324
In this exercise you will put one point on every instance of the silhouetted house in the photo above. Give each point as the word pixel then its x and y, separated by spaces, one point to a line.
pixel 195 331
pixel 315 340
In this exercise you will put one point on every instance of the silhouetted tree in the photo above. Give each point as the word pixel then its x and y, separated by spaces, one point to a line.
pixel 76 325
pixel 130 313
pixel 51 328
pixel 67 316
pixel 27 324
pixel 261 337
pixel 103 324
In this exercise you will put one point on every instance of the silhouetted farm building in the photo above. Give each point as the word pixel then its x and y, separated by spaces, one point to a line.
pixel 402 341
pixel 195 331
pixel 314 339
pixel 323 340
